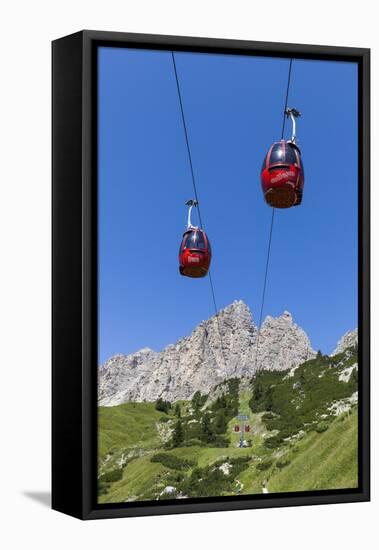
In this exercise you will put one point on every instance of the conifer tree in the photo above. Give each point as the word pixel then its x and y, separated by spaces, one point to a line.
pixel 178 435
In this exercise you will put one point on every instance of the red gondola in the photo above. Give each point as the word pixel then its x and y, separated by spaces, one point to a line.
pixel 247 428
pixel 236 428
pixel 282 174
pixel 195 250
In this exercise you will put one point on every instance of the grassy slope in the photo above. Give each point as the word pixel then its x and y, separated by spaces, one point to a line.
pixel 139 477
pixel 318 461
pixel 127 426
pixel 325 460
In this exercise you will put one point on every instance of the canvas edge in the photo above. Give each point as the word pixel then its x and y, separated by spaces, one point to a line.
pixel 85 377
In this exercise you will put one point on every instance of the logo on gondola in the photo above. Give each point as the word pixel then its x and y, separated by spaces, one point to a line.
pixel 282 176
pixel 193 260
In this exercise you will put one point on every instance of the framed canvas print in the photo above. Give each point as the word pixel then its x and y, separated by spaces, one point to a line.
pixel 210 274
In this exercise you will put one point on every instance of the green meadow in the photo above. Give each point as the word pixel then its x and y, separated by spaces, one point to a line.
pixel 303 436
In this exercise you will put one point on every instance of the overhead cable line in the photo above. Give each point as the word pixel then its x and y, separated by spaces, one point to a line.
pixel 272 223
pixel 195 191
pixel 286 100
pixel 186 138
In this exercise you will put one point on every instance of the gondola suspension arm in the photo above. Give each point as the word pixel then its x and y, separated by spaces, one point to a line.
pixel 293 114
pixel 191 203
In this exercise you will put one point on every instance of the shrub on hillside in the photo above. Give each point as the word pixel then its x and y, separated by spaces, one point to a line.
pixel 198 400
pixel 174 477
pixel 111 476
pixel 163 406
pixel 238 465
pixel 282 462
pixel 102 488
pixel 193 442
pixel 322 427
pixel 172 461
pixel 264 465
pixel 273 442
pixel 211 481
pixel 219 441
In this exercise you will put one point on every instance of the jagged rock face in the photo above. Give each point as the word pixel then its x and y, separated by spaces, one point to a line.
pixel 282 344
pixel 347 341
pixel 220 348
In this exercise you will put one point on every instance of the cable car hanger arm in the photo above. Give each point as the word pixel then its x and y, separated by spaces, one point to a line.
pixel 191 203
pixel 293 113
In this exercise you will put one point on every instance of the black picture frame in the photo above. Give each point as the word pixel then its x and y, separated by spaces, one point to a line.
pixel 74 272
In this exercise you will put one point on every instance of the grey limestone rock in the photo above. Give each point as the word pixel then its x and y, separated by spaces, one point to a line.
pixel 219 348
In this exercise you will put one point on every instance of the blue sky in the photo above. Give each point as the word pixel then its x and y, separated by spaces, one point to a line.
pixel 233 107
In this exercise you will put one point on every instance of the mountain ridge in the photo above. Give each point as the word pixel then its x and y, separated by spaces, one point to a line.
pixel 348 340
pixel 219 348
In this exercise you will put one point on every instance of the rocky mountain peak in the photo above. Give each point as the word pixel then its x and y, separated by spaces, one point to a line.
pixel 282 343
pixel 348 340
pixel 222 347
pixel 287 315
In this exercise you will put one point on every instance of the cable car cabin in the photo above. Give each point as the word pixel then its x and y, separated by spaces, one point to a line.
pixel 247 428
pixel 282 175
pixel 195 253
pixel 236 428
